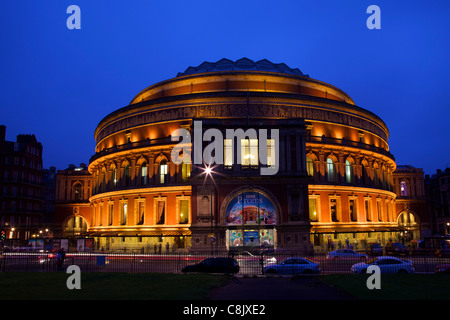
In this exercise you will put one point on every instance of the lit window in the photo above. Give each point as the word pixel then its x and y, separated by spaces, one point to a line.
pixel 110 213
pixel 183 217
pixel 330 170
pixel 348 172
pixel 114 177
pixel 310 166
pixel 312 209
pixel 271 159
pixel 144 175
pixel 124 212
pixel 77 190
pixel 228 152
pixel 249 152
pixel 161 211
pixel 403 189
pixel 163 172
pixel 185 171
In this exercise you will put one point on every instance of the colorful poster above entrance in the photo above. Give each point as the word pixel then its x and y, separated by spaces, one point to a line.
pixel 251 208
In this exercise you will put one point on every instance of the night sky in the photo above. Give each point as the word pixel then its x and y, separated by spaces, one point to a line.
pixel 58 83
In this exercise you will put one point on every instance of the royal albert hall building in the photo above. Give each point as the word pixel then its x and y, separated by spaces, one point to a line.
pixel 333 183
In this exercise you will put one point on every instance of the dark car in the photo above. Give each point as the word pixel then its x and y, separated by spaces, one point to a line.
pixel 214 265
pixel 396 248
pixel 374 250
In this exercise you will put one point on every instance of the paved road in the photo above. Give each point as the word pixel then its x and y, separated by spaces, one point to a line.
pixel 277 288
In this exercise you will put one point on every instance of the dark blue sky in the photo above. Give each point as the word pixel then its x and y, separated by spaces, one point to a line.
pixel 58 83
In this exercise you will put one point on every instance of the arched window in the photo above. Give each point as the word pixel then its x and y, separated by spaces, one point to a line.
pixel 310 166
pixel 126 175
pixel 103 186
pixel 331 174
pixel 365 175
pixel 143 173
pixel 403 189
pixel 406 219
pixel 348 172
pixel 113 180
pixel 185 171
pixel 163 172
pixel 376 179
pixel 77 189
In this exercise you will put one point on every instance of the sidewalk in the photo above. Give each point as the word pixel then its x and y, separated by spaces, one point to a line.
pixel 277 288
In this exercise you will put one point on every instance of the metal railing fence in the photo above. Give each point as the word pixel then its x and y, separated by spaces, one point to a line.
pixel 249 263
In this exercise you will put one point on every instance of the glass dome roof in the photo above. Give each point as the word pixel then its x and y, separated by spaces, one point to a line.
pixel 242 64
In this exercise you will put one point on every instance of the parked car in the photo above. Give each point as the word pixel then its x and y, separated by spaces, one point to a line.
pixel 293 266
pixel 442 268
pixel 386 264
pixel 395 248
pixel 214 265
pixel 374 250
pixel 346 254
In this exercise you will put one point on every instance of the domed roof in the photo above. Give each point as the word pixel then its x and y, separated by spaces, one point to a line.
pixel 241 64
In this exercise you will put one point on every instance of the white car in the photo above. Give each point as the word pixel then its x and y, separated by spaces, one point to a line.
pixel 293 266
pixel 346 254
pixel 386 264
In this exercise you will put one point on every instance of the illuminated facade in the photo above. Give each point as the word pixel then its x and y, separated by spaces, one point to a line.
pixel 333 184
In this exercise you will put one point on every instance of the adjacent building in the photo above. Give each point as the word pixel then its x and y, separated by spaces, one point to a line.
pixel 410 204
pixel 21 187
pixel 438 196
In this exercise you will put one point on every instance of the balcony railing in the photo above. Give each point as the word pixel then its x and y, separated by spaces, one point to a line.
pixel 348 143
pixel 132 145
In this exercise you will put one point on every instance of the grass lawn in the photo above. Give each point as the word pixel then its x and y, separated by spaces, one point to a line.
pixel 108 286
pixel 153 286
pixel 394 286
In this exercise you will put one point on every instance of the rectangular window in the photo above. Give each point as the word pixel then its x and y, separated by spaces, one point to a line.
pixel 161 212
pixel 144 176
pixel 387 211
pixel 123 213
pixel 163 173
pixel 249 152
pixel 140 205
pixel 379 212
pixel 310 166
pixel 333 210
pixel 100 214
pixel 110 213
pixel 271 159
pixel 228 152
pixel 368 209
pixel 353 210
pixel 183 215
pixel 312 209
pixel 185 171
